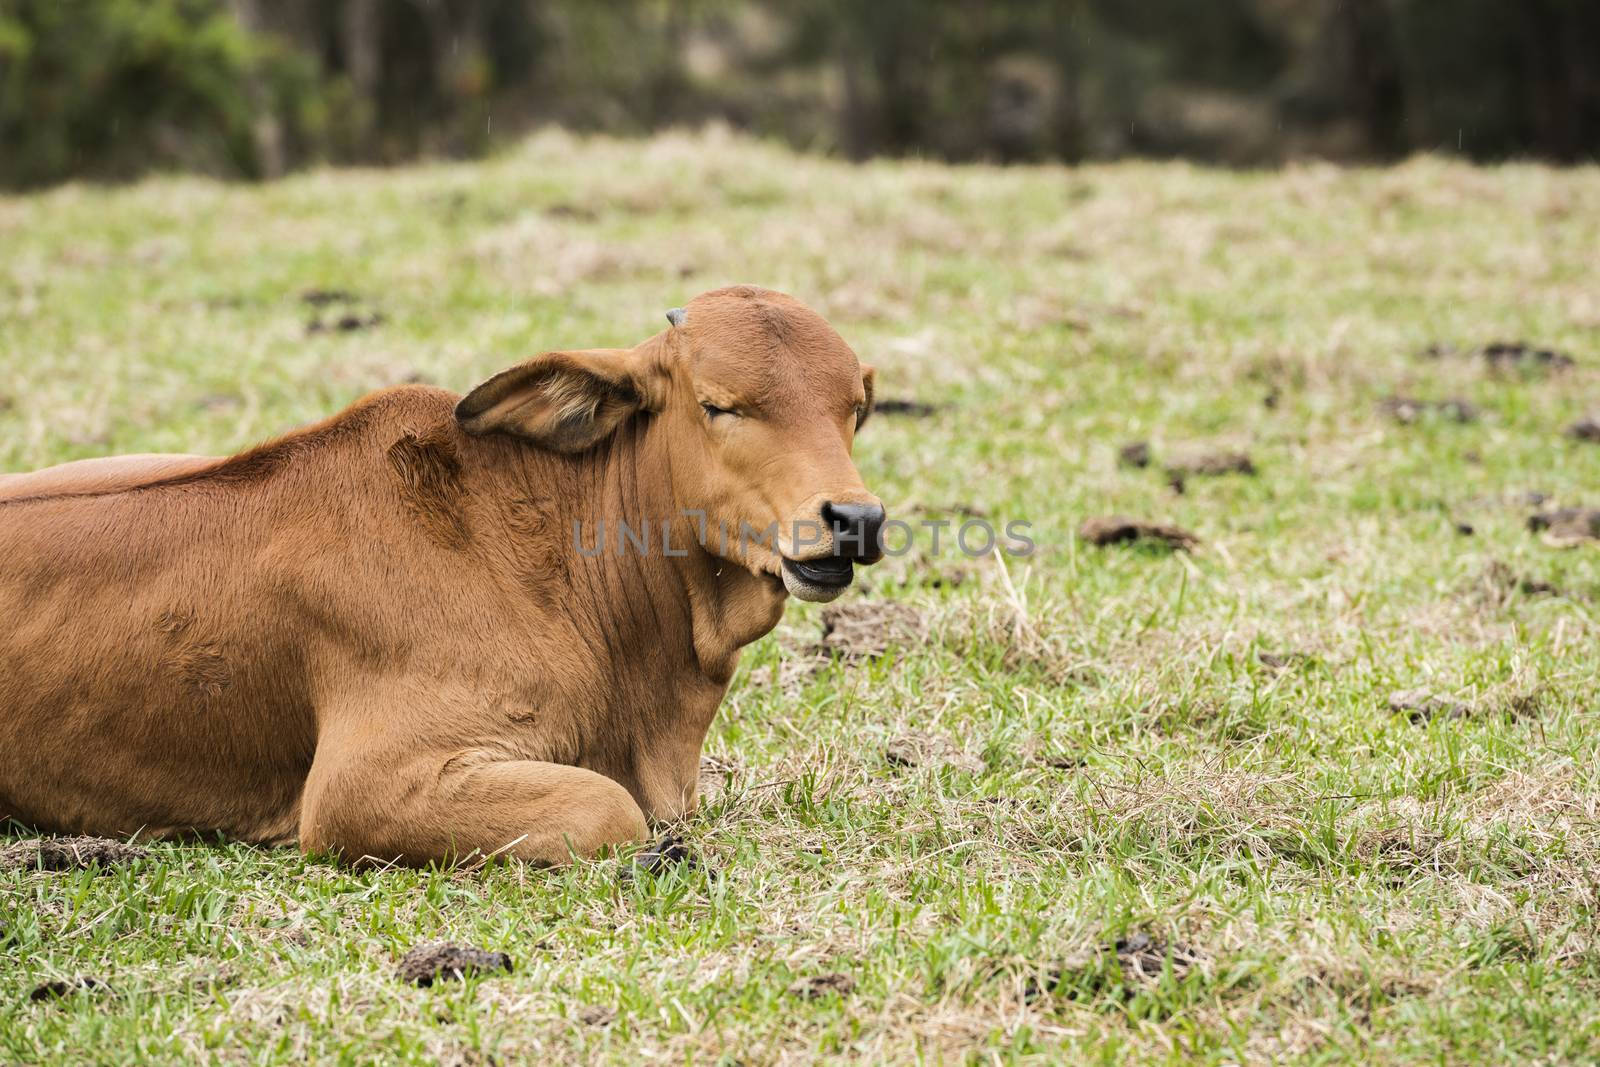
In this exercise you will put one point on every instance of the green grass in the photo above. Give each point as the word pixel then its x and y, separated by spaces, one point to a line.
pixel 1353 886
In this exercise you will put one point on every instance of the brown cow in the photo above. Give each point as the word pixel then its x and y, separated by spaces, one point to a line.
pixel 401 633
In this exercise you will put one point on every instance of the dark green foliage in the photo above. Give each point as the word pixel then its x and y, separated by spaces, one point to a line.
pixel 108 88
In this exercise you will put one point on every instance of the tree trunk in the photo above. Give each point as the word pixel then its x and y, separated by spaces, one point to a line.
pixel 266 131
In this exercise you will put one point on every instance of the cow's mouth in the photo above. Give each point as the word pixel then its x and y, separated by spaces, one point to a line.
pixel 817 579
pixel 830 570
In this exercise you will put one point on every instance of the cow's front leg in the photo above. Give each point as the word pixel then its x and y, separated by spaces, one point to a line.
pixel 449 806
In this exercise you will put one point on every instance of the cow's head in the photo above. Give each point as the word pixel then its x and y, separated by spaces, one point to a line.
pixel 759 401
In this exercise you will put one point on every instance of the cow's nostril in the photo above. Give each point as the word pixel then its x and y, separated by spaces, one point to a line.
pixel 856 529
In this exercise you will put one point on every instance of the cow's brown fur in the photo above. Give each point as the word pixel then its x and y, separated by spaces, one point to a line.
pixel 376 635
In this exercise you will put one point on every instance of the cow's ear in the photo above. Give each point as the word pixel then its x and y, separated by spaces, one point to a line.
pixel 563 401
pixel 869 378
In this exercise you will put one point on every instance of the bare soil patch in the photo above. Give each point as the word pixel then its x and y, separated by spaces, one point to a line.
pixel 867 629
pixel 791 672
pixel 70 854
pixel 920 749
pixel 716 774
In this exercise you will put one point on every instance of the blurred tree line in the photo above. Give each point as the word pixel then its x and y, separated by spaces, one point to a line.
pixel 111 88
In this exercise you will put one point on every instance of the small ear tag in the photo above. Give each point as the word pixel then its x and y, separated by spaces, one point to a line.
pixel 676 316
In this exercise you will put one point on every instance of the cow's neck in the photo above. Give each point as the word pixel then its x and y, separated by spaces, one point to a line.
pixel 666 630
pixel 728 607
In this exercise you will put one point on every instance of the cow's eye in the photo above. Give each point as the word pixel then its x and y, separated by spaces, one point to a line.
pixel 712 411
pixel 861 413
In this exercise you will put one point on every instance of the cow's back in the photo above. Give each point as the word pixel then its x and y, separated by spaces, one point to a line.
pixel 144 682
pixel 106 474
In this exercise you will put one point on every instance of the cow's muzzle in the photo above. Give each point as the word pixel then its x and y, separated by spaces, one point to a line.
pixel 856 529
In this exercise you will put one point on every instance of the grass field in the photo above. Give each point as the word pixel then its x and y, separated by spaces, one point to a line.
pixel 1168 806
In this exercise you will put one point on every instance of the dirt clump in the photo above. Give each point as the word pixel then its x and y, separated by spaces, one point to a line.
pixel 1585 429
pixel 1198 462
pixel 1507 355
pixel 867 629
pixel 818 986
pixel 1421 705
pixel 1566 527
pixel 665 853
pixel 321 298
pixel 218 402
pixel 343 315
pixel 1134 454
pixel 913 409
pixel 1278 662
pixel 349 322
pixel 919 749
pixel 1210 463
pixel 1143 956
pixel 1119 969
pixel 951 577
pixel 1059 761
pixel 579 212
pixel 1038 752
pixel 1525 704
pixel 957 507
pixel 1120 529
pixel 1501 580
pixel 446 961
pixel 1206 463
pixel 65 987
pixel 1407 410
pixel 70 854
